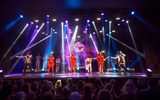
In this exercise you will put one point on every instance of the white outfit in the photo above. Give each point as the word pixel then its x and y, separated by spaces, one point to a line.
pixel 89 64
pixel 121 59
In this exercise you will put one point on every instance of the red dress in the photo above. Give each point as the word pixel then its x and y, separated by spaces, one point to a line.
pixel 50 64
pixel 100 59
pixel 72 61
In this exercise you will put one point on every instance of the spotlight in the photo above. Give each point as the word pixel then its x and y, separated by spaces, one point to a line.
pixel 88 21
pixel 127 21
pixel 102 14
pixel 113 31
pixel 123 20
pixel 36 21
pixel 42 69
pixel 132 13
pixel 118 24
pixel 118 18
pixel 66 21
pixel 47 22
pixel 36 26
pixel 78 36
pixel 47 15
pixel 54 20
pixel 98 18
pixel 76 19
pixel 149 72
pixel 21 16
pixel 94 33
pixel 100 31
pixel 110 22
pixel 106 20
pixel 32 22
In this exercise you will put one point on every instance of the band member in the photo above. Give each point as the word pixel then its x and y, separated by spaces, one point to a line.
pixel 100 59
pixel 120 60
pixel 50 63
pixel 89 64
pixel 38 61
pixel 72 60
pixel 27 62
pixel 58 62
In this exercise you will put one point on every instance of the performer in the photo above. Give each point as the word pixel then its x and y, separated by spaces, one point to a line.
pixel 89 64
pixel 72 60
pixel 50 63
pixel 121 60
pixel 38 61
pixel 58 61
pixel 100 59
pixel 27 62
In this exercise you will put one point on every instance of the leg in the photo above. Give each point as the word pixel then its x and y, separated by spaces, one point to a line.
pixel 53 68
pixel 102 68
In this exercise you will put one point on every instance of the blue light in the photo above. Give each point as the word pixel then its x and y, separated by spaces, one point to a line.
pixel 21 16
pixel 132 13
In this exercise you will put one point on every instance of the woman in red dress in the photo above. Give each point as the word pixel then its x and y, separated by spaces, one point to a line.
pixel 50 64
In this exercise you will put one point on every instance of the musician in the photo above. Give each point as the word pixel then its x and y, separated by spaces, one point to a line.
pixel 121 60
pixel 100 59
pixel 50 63
pixel 27 62
pixel 89 64
pixel 72 60
pixel 38 61
pixel 58 63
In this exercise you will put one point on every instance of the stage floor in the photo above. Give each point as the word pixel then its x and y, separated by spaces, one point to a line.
pixel 78 75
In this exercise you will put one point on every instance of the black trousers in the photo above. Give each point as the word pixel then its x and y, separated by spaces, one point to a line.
pixel 25 67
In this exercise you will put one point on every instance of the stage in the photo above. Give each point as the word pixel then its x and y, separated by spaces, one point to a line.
pixel 76 75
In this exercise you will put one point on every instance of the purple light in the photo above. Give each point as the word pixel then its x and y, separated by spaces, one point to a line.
pixel 102 14
pixel 1 71
pixel 36 26
pixel 88 21
pixel 32 23
pixel 118 24
pixel 66 21
pixel 149 70
pixel 123 20
pixel 47 15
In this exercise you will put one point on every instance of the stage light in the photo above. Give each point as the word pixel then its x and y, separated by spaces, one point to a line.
pixel 127 68
pixel 149 72
pixel 32 22
pixel 110 33
pixel 118 24
pixel 88 20
pixel 66 21
pixel 94 33
pixel 110 22
pixel 100 31
pixel 47 15
pixel 127 21
pixel 98 18
pixel 1 71
pixel 114 69
pixel 43 32
pixel 76 19
pixel 106 20
pixel 15 41
pixel 113 31
pixel 78 36
pixel 42 69
pixel 21 16
pixel 47 22
pixel 36 20
pixel 132 13
pixel 54 20
pixel 55 32
pixel 36 26
pixel 118 18
pixel 102 14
